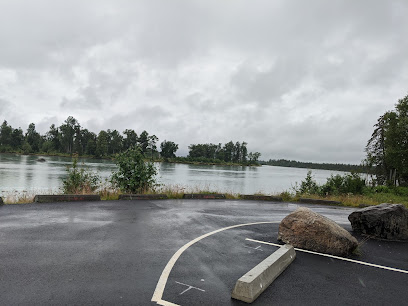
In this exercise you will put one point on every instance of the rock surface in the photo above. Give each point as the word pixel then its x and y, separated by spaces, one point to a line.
pixel 384 221
pixel 308 230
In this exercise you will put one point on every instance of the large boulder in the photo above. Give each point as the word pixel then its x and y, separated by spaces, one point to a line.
pixel 384 221
pixel 308 230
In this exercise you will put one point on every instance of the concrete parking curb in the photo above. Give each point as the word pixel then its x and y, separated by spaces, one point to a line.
pixel 253 283
pixel 143 197
pixel 213 196
pixel 260 198
pixel 66 198
pixel 317 201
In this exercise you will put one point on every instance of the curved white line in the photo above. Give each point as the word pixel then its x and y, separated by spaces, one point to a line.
pixel 335 257
pixel 161 284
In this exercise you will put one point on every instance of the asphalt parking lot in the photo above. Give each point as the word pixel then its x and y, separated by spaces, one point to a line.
pixel 185 252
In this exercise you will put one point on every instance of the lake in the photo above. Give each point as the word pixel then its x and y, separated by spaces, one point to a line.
pixel 26 173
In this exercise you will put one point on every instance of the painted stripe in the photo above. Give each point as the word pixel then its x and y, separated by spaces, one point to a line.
pixel 335 257
pixel 161 284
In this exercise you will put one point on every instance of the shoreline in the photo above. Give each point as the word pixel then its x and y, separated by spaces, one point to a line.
pixel 174 193
pixel 146 159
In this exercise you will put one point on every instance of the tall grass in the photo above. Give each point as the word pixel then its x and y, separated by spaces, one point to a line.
pixel 21 197
pixel 175 191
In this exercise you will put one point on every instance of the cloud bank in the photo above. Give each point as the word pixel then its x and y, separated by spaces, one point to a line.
pixel 296 80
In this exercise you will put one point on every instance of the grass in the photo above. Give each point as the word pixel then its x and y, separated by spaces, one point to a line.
pixel 177 191
pixel 19 197
pixel 358 200
pixel 107 192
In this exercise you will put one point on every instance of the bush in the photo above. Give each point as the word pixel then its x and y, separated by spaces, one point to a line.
pixel 309 185
pixel 381 189
pixel 335 185
pixel 400 191
pixel 80 181
pixel 134 174
pixel 347 184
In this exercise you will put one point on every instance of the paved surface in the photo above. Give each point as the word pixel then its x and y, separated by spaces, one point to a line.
pixel 114 252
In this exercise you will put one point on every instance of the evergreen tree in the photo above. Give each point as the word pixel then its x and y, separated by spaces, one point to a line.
pixel 387 149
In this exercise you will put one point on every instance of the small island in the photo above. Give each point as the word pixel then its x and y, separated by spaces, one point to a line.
pixel 70 139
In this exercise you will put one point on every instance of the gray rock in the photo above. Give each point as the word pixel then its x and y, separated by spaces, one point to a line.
pixel 308 230
pixel 41 159
pixel 384 221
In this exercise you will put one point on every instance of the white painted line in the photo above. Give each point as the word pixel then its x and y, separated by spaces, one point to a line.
pixel 161 284
pixel 335 257
pixel 189 288
pixel 258 248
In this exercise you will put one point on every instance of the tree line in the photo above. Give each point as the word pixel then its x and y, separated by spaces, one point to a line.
pixel 71 138
pixel 230 153
pixel 310 165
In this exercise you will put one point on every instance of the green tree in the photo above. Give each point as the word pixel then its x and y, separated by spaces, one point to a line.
pixel 244 152
pixel 33 138
pixel 67 133
pixel 228 151
pixel 130 140
pixel 168 149
pixel 27 148
pixel 197 150
pixel 116 141
pixel 253 157
pixel 53 137
pixel 6 133
pixel 236 153
pixel 88 142
pixel 102 144
pixel 134 174
pixel 152 140
pixel 387 149
pixel 220 154
pixel 17 139
pixel 143 141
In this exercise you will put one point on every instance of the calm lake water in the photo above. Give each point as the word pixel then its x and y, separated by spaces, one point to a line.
pixel 25 173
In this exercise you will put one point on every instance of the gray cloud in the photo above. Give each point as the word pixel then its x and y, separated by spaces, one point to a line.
pixel 87 98
pixel 298 80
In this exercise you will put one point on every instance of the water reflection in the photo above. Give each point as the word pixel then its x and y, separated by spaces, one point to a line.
pixel 19 172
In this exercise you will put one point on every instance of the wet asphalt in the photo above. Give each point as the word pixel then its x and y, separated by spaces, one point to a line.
pixel 113 252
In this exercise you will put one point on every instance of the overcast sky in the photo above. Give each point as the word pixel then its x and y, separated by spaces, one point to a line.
pixel 302 80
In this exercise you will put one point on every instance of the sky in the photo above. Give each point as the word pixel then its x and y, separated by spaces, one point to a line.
pixel 302 80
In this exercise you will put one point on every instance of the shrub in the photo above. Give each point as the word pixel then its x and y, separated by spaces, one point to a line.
pixel 347 184
pixel 80 181
pixel 335 185
pixel 309 185
pixel 400 191
pixel 134 174
pixel 381 189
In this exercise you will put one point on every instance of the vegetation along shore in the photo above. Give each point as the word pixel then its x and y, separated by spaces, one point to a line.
pixel 70 138
pixel 387 158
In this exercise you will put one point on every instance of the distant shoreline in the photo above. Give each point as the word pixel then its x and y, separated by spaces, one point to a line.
pixel 170 161
pixel 316 166
pixel 276 163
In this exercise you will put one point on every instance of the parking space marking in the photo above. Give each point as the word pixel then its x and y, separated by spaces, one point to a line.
pixel 161 284
pixel 258 248
pixel 189 288
pixel 335 257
